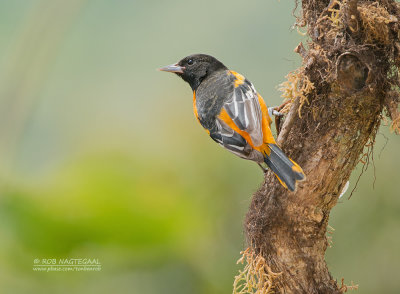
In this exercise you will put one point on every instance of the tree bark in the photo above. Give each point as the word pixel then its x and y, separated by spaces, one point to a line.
pixel 351 69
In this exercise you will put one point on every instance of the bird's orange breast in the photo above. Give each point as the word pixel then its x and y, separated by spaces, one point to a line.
pixel 195 107
pixel 196 114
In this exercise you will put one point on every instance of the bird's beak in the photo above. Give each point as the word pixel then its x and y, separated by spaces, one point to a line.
pixel 172 68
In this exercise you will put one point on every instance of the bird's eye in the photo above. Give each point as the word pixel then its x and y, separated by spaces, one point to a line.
pixel 190 62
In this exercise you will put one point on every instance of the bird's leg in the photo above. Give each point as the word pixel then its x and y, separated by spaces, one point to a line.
pixel 278 115
pixel 263 168
pixel 273 112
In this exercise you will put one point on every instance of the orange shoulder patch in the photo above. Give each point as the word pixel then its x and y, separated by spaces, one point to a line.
pixel 239 78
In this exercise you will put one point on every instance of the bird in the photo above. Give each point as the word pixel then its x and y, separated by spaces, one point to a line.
pixel 235 115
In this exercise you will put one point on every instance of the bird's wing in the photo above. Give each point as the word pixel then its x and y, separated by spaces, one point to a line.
pixel 229 139
pixel 244 109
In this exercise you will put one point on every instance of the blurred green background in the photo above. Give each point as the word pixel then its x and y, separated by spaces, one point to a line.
pixel 101 156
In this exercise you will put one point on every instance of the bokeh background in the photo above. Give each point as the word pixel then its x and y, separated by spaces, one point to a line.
pixel 101 157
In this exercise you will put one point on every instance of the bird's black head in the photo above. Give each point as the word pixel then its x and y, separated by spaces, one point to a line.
pixel 195 68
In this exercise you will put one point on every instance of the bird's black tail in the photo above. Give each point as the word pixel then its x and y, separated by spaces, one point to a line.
pixel 286 170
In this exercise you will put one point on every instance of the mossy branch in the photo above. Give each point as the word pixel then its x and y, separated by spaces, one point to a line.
pixel 336 99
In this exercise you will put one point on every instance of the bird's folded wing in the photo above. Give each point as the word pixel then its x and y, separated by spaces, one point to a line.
pixel 229 139
pixel 244 109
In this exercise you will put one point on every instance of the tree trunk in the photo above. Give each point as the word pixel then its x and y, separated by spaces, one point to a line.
pixel 351 69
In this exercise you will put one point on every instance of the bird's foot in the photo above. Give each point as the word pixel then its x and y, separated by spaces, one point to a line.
pixel 273 112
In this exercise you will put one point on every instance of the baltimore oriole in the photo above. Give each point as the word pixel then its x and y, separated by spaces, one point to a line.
pixel 234 115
